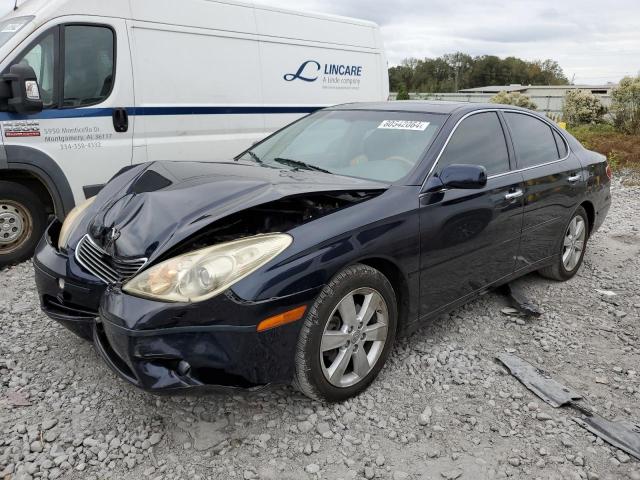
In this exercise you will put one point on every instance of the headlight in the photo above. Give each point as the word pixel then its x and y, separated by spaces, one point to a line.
pixel 71 221
pixel 205 273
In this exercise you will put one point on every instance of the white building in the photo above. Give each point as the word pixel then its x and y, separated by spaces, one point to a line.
pixel 548 98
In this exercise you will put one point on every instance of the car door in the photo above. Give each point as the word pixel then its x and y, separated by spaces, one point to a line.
pixel 469 238
pixel 84 74
pixel 553 184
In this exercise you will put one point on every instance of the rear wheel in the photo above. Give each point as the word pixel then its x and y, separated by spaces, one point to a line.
pixel 347 335
pixel 22 222
pixel 572 248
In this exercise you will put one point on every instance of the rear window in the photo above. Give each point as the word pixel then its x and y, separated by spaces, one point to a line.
pixel 533 140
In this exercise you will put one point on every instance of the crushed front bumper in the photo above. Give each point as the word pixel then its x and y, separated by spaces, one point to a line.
pixel 67 293
pixel 165 347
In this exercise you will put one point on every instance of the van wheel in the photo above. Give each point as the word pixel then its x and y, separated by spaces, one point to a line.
pixel 347 335
pixel 22 223
pixel 571 250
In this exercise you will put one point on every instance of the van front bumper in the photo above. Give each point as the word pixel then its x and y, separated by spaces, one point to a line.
pixel 164 347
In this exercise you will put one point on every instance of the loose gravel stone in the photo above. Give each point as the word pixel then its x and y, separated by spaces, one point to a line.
pixel 441 407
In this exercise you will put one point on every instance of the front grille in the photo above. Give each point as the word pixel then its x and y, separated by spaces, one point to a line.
pixel 104 266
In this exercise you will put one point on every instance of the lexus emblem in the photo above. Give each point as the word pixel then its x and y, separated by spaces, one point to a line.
pixel 112 236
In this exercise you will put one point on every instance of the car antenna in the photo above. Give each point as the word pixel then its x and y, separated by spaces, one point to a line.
pixel 15 6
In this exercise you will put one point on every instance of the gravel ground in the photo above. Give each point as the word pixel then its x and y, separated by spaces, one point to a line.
pixel 441 408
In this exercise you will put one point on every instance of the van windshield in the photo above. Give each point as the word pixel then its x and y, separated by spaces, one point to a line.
pixel 9 27
pixel 376 145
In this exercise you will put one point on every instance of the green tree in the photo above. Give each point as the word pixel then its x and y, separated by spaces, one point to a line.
pixel 581 107
pixel 402 93
pixel 626 105
pixel 514 98
pixel 457 71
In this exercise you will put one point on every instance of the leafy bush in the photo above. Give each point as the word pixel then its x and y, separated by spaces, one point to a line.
pixel 622 150
pixel 402 93
pixel 626 105
pixel 581 107
pixel 514 98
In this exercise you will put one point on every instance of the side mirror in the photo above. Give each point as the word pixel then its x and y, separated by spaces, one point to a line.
pixel 20 92
pixel 468 177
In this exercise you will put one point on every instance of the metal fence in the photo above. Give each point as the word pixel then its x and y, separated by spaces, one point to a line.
pixel 551 104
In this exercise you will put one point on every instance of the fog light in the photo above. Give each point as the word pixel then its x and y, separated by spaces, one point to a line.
pixel 61 283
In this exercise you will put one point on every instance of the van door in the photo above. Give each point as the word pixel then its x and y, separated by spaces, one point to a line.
pixel 84 73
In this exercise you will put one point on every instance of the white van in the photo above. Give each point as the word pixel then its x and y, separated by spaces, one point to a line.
pixel 121 82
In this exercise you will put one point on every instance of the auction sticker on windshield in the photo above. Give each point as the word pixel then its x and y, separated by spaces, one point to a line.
pixel 404 125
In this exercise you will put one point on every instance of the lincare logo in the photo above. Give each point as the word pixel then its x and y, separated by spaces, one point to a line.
pixel 307 68
pixel 334 75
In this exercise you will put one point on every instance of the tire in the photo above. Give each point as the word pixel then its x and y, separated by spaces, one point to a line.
pixel 22 223
pixel 325 325
pixel 559 270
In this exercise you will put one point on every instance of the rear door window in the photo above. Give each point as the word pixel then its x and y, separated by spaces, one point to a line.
pixel 533 140
pixel 478 140
pixel 89 53
pixel 563 150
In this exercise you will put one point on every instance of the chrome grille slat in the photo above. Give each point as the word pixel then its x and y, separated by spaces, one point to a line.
pixel 94 262
pixel 107 268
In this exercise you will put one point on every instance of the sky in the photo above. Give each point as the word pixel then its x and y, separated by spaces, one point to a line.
pixel 594 42
pixel 597 42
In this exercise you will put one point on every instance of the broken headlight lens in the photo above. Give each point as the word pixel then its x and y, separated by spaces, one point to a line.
pixel 205 273
pixel 71 222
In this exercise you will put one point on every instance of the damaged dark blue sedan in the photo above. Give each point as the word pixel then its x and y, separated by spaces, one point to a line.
pixel 302 260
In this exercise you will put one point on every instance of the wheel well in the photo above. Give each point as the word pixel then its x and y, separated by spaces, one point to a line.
pixel 591 214
pixel 33 183
pixel 399 283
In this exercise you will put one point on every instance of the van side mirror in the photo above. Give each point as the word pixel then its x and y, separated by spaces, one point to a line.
pixel 19 91
pixel 468 177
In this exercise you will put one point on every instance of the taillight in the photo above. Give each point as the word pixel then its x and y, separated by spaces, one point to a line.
pixel 609 172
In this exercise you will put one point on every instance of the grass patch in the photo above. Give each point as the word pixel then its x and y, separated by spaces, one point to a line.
pixel 622 150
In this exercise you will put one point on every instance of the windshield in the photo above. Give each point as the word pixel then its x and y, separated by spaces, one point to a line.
pixel 375 145
pixel 8 28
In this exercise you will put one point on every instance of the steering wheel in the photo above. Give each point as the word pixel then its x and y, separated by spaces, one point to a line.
pixel 398 158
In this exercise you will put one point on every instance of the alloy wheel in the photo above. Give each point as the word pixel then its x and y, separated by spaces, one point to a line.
pixel 574 243
pixel 354 337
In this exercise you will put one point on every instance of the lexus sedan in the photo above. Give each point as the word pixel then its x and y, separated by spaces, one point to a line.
pixel 301 260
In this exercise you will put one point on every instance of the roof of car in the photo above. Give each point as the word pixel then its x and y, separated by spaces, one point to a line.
pixel 422 106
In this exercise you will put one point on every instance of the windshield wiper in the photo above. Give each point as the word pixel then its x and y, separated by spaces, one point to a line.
pixel 255 157
pixel 298 164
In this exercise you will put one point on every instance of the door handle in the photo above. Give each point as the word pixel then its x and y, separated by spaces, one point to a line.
pixel 574 179
pixel 513 195
pixel 120 120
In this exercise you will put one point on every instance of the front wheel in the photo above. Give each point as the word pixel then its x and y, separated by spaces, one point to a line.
pixel 347 335
pixel 572 248
pixel 22 222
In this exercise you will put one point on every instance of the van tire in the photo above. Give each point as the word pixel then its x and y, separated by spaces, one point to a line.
pixel 21 207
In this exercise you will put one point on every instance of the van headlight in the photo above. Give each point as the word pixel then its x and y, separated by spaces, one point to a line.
pixel 203 274
pixel 71 222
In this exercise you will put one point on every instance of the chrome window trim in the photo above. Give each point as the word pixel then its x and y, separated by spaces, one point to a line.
pixel 527 168
pixel 496 110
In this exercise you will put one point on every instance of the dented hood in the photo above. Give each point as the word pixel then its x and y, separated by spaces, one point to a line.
pixel 154 207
